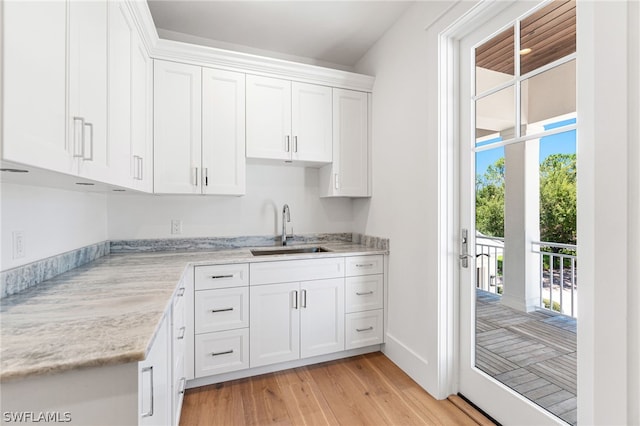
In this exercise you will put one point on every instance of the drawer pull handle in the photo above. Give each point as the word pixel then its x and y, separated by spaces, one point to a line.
pixel 359 330
pixel 364 265
pixel 221 310
pixel 181 292
pixel 217 277
pixel 182 331
pixel 150 371
pixel 183 385
pixel 364 293
pixel 230 351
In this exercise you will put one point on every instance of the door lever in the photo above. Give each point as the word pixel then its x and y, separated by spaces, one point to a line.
pixel 464 256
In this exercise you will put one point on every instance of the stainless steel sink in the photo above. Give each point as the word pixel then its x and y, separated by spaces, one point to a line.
pixel 288 250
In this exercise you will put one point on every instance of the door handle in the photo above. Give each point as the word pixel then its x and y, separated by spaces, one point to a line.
pixel 464 249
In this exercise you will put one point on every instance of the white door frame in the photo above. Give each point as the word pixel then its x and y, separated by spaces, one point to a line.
pixel 603 365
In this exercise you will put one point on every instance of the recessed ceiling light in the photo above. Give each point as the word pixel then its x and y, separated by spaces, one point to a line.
pixel 85 183
pixel 525 51
pixel 14 170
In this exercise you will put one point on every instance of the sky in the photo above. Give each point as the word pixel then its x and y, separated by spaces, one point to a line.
pixel 561 143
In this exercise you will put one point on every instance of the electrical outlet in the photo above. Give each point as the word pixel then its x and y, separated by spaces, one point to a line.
pixel 176 226
pixel 18 244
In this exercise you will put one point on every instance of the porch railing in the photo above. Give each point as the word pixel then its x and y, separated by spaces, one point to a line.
pixel 489 256
pixel 558 276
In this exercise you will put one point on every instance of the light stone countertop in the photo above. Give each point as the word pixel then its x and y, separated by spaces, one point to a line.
pixel 108 311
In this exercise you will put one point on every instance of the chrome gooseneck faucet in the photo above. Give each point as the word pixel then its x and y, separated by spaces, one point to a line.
pixel 285 216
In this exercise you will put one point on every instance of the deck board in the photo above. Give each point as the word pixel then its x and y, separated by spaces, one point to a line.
pixel 533 353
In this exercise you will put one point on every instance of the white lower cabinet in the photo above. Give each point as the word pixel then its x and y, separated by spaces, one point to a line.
pixel 364 329
pixel 221 319
pixel 154 383
pixel 296 320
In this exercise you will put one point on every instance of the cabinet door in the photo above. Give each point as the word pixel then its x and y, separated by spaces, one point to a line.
pixel 311 123
pixel 154 383
pixel 141 161
pixel 348 176
pixel 121 30
pixel 321 317
pixel 268 118
pixel 34 84
pixel 274 318
pixel 87 118
pixel 177 128
pixel 223 132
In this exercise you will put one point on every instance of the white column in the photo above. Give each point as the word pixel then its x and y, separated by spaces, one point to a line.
pixel 521 226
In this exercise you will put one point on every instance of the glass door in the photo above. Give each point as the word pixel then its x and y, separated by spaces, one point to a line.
pixel 518 207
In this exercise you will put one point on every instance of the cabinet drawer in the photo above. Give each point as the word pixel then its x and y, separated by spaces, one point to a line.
pixel 221 276
pixel 364 293
pixel 225 309
pixel 222 352
pixel 364 265
pixel 296 270
pixel 364 329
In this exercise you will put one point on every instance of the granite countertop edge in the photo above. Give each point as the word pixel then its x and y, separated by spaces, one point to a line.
pixel 139 286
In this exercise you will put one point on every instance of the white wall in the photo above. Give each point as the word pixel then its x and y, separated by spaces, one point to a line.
pixel 53 221
pixel 405 182
pixel 259 212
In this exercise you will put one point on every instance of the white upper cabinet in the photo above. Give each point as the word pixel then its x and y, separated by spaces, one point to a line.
pixel 34 85
pixel 177 128
pixel 199 133
pixel 223 132
pixel 141 158
pixel 349 174
pixel 268 118
pixel 87 118
pixel 311 123
pixel 288 121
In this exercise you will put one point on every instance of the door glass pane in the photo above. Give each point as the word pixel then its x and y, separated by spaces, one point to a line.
pixel 547 35
pixel 496 113
pixel 495 61
pixel 547 96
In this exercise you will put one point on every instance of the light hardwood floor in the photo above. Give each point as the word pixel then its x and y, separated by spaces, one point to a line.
pixel 363 390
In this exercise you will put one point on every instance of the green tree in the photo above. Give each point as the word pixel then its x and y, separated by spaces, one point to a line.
pixel 490 200
pixel 557 199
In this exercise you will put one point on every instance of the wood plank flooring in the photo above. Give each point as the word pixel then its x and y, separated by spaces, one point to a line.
pixel 363 390
pixel 534 353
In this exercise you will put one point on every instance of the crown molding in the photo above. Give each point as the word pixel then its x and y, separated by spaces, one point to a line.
pixel 238 61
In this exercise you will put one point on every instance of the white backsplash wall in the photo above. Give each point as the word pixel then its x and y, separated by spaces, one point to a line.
pixel 259 212
pixel 52 221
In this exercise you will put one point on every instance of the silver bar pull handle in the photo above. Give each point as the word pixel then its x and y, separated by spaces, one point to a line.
pixel 77 154
pixel 215 311
pixel 230 351
pixel 288 144
pixel 183 385
pixel 364 265
pixel 364 293
pixel 183 329
pixel 336 181
pixel 136 167
pixel 217 277
pixel 304 298
pixel 196 176
pixel 140 169
pixel 150 371
pixel 90 157
pixel 181 292
pixel 206 176
pixel 295 299
pixel 295 144
pixel 359 330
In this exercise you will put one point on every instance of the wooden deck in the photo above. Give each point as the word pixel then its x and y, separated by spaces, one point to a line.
pixel 534 353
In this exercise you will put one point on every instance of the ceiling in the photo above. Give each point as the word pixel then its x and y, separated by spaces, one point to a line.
pixel 549 33
pixel 325 32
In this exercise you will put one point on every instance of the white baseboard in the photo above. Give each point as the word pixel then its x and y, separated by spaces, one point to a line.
pixel 225 377
pixel 410 362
